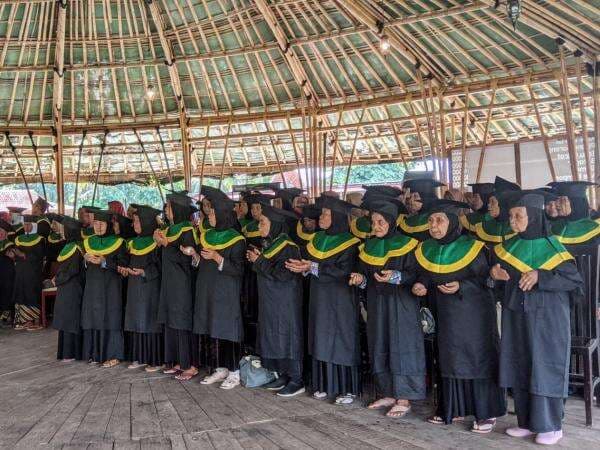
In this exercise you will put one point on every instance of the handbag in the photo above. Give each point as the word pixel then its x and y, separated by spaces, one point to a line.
pixel 427 321
pixel 253 374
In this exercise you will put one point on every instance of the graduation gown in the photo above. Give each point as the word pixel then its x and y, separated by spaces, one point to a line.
pixel 29 271
pixel 176 302
pixel 102 306
pixel 492 231
pixel 7 276
pixel 280 328
pixel 415 226
pixel 467 334
pixel 217 309
pixel 333 318
pixel 143 292
pixel 536 336
pixel 69 281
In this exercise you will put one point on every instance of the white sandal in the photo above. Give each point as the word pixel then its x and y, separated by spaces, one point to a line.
pixel 320 395
pixel 218 375
pixel 231 381
pixel 347 399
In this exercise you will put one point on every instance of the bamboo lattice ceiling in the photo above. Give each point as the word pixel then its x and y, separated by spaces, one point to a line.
pixel 247 70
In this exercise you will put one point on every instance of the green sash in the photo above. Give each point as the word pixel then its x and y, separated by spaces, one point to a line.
pixel 526 255
pixel 204 226
pixel 413 224
pixel 250 230
pixel 490 230
pixel 376 251
pixel 301 234
pixel 55 238
pixel 361 227
pixel 28 240
pixel 87 232
pixel 577 231
pixel 67 251
pixel 175 231
pixel 5 244
pixel 323 246
pixel 141 245
pixel 448 258
pixel 102 246
pixel 218 240
pixel 470 221
pixel 279 244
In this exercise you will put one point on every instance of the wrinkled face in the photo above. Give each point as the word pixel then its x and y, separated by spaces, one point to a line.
pixel 100 227
pixel 438 225
pixel 379 225
pixel 3 234
pixel 83 217
pixel 493 207
pixel 325 219
pixel 475 202
pixel 212 218
pixel 137 225
pixel 518 219
pixel 241 209
pixel 206 206
pixel 551 209
pixel 563 206
pixel 299 202
pixel 414 203
pixel 169 212
pixel 256 211
pixel 264 226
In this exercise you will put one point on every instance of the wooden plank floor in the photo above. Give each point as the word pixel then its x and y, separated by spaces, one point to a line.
pixel 48 404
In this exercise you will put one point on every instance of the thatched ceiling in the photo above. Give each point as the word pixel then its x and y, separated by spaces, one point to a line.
pixel 252 68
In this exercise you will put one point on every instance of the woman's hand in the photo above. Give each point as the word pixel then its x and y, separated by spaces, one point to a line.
pixel 123 271
pixel 449 288
pixel 528 280
pixel 136 272
pixel 298 265
pixel 385 277
pixel 499 274
pixel 160 238
pixel 92 259
pixel 252 254
pixel 211 255
pixel 419 290
pixel 189 251
pixel 356 279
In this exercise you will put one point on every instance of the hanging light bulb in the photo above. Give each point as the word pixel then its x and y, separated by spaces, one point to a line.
pixel 513 11
pixel 150 92
pixel 384 44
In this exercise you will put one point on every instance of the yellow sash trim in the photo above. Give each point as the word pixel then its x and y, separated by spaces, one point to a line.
pixel 381 260
pixel 488 237
pixel 252 234
pixel 36 241
pixel 62 258
pixel 301 234
pixel 313 251
pixel 276 250
pixel 182 230
pixel 208 246
pixel 522 267
pixel 106 251
pixel 141 252
pixel 407 228
pixel 449 268
pixel 356 232
pixel 54 241
pixel 466 224
pixel 580 239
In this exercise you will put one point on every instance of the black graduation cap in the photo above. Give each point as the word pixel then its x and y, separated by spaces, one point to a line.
pixel 223 203
pixel 548 194
pixel 42 202
pixel 213 194
pixel 258 197
pixel 103 215
pixel 180 198
pixel 337 205
pixel 571 188
pixel 15 209
pixel 277 214
pixel 146 213
pixel 527 198
pixel 382 189
pixel 483 189
pixel 29 218
pixel 54 217
pixel 503 185
pixel 6 226
pixel 288 194
pixel 90 209
pixel 386 208
pixel 424 186
pixel 374 199
pixel 311 211
pixel 443 205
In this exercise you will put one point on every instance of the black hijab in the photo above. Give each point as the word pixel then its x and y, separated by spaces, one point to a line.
pixel 537 223
pixel 106 217
pixel 451 209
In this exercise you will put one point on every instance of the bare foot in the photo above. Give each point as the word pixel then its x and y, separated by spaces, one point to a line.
pixel 382 403
pixel 187 375
pixel 400 409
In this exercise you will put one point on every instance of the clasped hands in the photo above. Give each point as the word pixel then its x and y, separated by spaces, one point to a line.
pixel 526 283
pixel 298 265
pixel 383 276
pixel 94 259
pixel 451 287
pixel 209 255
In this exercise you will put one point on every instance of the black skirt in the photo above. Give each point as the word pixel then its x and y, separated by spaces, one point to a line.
pixel 215 353
pixel 69 345
pixel 145 348
pixel 103 345
pixel 481 398
pixel 181 347
pixel 335 379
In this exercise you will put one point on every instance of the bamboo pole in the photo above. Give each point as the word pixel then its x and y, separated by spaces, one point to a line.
pixel 304 146
pixel 14 151
pixel 353 151
pixel 37 160
pixel 463 152
pixel 102 146
pixel 293 139
pixel 564 84
pixel 583 118
pixel 484 138
pixel 396 138
pixel 164 150
pixel 204 154
pixel 596 96
pixel 276 156
pixel 78 170
pixel 336 147
pixel 447 174
pixel 143 147
pixel 224 154
pixel 542 132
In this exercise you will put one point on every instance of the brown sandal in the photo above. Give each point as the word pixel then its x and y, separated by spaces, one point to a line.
pixel 398 411
pixel 187 375
pixel 111 363
pixel 382 403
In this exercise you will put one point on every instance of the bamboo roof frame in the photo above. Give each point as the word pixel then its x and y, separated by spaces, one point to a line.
pixel 236 79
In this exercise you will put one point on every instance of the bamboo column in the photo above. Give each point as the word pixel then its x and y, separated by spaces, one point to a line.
pixel 353 151
pixel 57 101
pixel 396 138
pixel 485 133
pixel 204 153
pixel 542 131
pixel 584 131
pixel 596 97
pixel 225 153
pixel 463 152
pixel 564 84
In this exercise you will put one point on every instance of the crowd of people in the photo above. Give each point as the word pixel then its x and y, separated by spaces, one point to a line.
pixel 200 284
